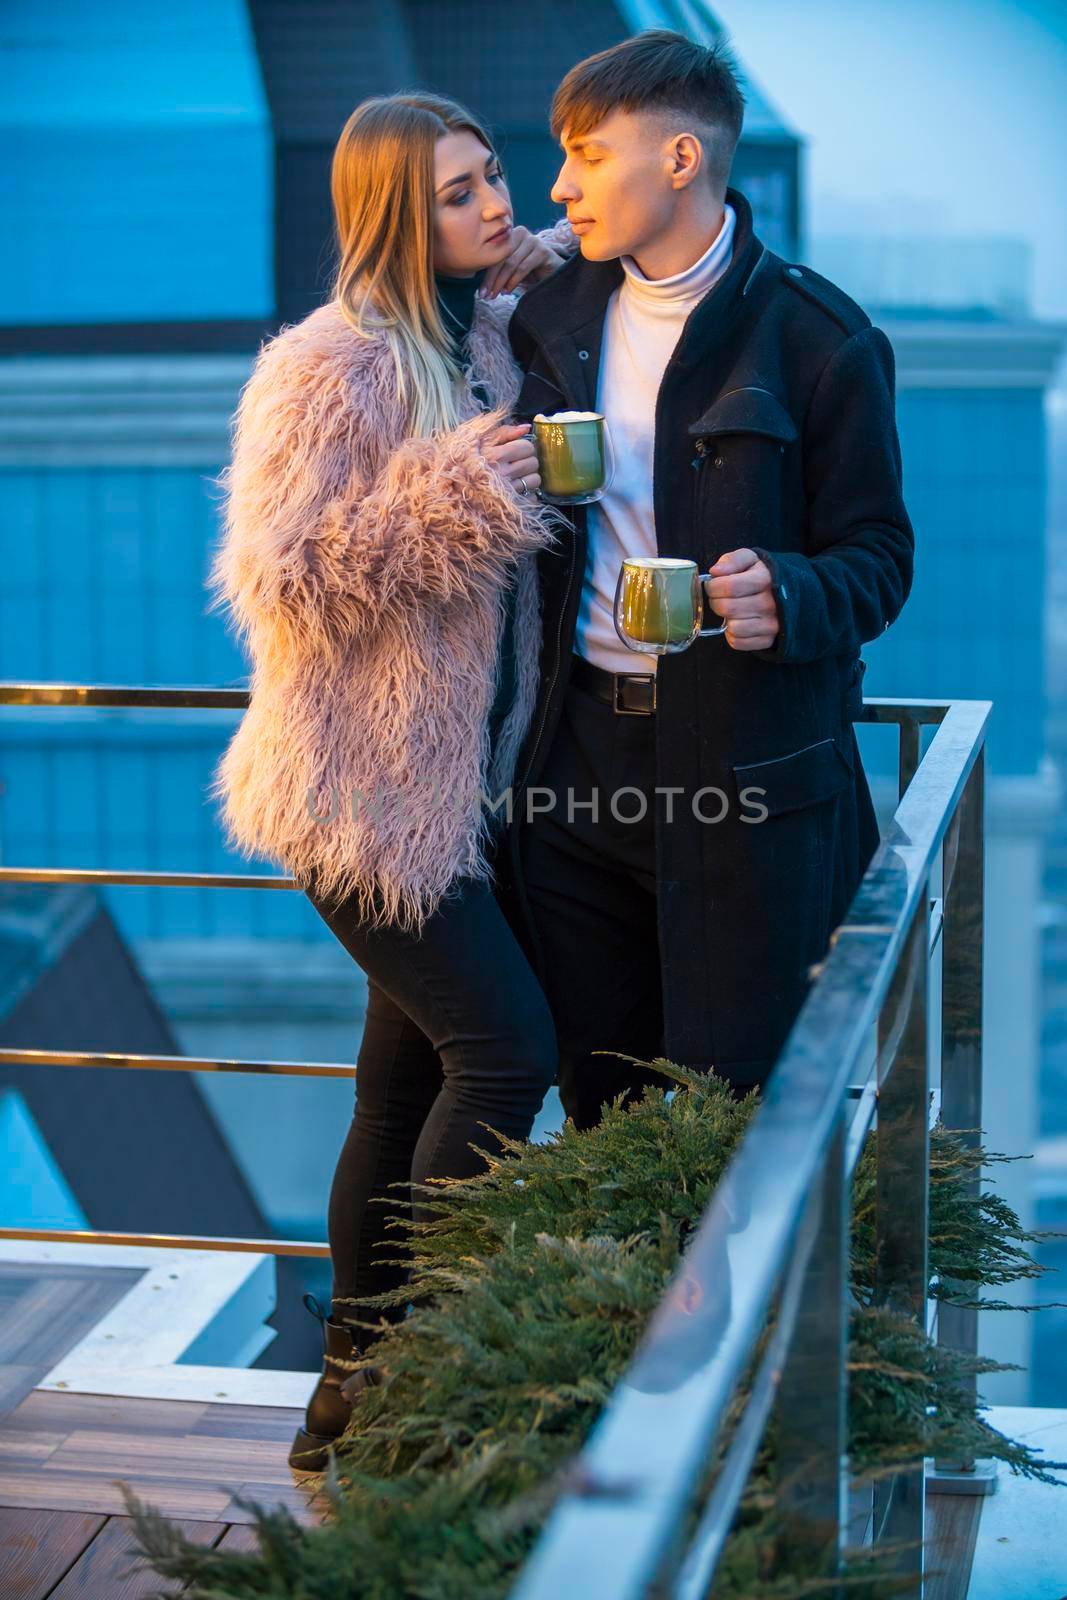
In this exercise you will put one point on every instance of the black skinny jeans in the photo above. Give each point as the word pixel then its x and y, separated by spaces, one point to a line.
pixel 457 1033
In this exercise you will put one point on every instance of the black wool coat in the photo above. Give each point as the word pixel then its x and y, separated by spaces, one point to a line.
pixel 775 430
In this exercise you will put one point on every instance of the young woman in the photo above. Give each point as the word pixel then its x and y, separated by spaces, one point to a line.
pixel 378 559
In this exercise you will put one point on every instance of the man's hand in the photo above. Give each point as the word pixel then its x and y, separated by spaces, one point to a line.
pixel 740 590
pixel 528 262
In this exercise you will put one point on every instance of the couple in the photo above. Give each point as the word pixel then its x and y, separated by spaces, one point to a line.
pixel 426 632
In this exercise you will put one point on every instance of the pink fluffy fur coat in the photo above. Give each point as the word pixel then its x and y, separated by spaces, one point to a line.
pixel 365 572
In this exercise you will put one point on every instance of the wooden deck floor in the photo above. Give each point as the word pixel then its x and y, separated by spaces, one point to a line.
pixel 64 1534
pixel 63 1528
pixel 951 1532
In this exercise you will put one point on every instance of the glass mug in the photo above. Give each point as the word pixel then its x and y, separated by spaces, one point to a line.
pixel 574 456
pixel 659 605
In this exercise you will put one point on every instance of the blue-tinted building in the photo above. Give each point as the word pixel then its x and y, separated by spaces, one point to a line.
pixel 973 371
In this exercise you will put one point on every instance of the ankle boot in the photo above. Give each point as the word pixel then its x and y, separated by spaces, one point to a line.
pixel 330 1405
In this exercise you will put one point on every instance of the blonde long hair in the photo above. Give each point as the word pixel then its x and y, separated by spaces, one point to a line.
pixel 382 186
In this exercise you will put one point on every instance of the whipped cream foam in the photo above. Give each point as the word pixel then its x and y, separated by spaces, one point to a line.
pixel 570 416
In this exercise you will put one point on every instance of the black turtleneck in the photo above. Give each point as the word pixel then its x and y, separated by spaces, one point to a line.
pixel 456 298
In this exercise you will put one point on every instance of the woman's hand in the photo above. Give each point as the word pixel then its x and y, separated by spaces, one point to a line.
pixel 529 261
pixel 510 450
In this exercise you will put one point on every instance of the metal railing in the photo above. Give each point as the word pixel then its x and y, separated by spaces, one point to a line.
pixel 89 697
pixel 631 1521
pixel 860 1046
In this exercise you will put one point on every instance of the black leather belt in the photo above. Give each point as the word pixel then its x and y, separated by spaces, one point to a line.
pixel 629 694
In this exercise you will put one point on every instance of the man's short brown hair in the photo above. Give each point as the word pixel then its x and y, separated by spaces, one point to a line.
pixel 658 70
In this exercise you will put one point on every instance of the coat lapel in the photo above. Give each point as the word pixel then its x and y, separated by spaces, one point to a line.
pixel 575 358
pixel 566 317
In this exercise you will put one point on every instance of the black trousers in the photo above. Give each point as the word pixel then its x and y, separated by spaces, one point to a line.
pixel 458 1033
pixel 590 879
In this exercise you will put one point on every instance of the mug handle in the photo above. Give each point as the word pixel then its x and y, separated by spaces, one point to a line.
pixel 707 633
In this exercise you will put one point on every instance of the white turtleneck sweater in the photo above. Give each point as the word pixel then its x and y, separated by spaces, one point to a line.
pixel 642 325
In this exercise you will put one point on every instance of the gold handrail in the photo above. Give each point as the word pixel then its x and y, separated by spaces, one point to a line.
pixel 908 714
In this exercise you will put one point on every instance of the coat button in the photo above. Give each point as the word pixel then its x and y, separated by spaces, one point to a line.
pixel 583 355
pixel 717 462
pixel 795 272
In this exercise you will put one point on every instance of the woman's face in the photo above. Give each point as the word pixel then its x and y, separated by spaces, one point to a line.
pixel 472 213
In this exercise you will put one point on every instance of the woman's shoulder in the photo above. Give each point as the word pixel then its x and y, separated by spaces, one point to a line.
pixel 321 348
pixel 321 379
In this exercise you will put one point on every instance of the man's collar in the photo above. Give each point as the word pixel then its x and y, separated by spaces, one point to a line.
pixel 579 292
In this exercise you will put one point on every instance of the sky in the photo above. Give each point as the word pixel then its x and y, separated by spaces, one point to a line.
pixel 923 116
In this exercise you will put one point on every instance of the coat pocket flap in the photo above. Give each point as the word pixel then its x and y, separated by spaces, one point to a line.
pixel 801 778
pixel 749 410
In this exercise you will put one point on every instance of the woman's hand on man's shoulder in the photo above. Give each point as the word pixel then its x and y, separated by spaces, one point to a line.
pixel 533 258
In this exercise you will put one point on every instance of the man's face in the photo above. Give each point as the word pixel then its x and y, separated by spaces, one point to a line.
pixel 616 182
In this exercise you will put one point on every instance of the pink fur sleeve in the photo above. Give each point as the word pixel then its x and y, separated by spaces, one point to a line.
pixel 561 237
pixel 331 527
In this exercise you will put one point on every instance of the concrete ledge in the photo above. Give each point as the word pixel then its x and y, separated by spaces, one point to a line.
pixel 130 411
pixel 184 1299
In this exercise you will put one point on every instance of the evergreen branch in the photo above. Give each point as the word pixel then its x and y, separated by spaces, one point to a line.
pixel 531 1286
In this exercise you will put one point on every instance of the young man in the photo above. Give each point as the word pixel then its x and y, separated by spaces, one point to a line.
pixel 751 404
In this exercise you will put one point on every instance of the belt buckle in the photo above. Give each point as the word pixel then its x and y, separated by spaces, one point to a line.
pixel 643 677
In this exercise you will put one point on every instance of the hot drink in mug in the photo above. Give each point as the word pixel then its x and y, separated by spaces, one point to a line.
pixel 659 605
pixel 574 456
